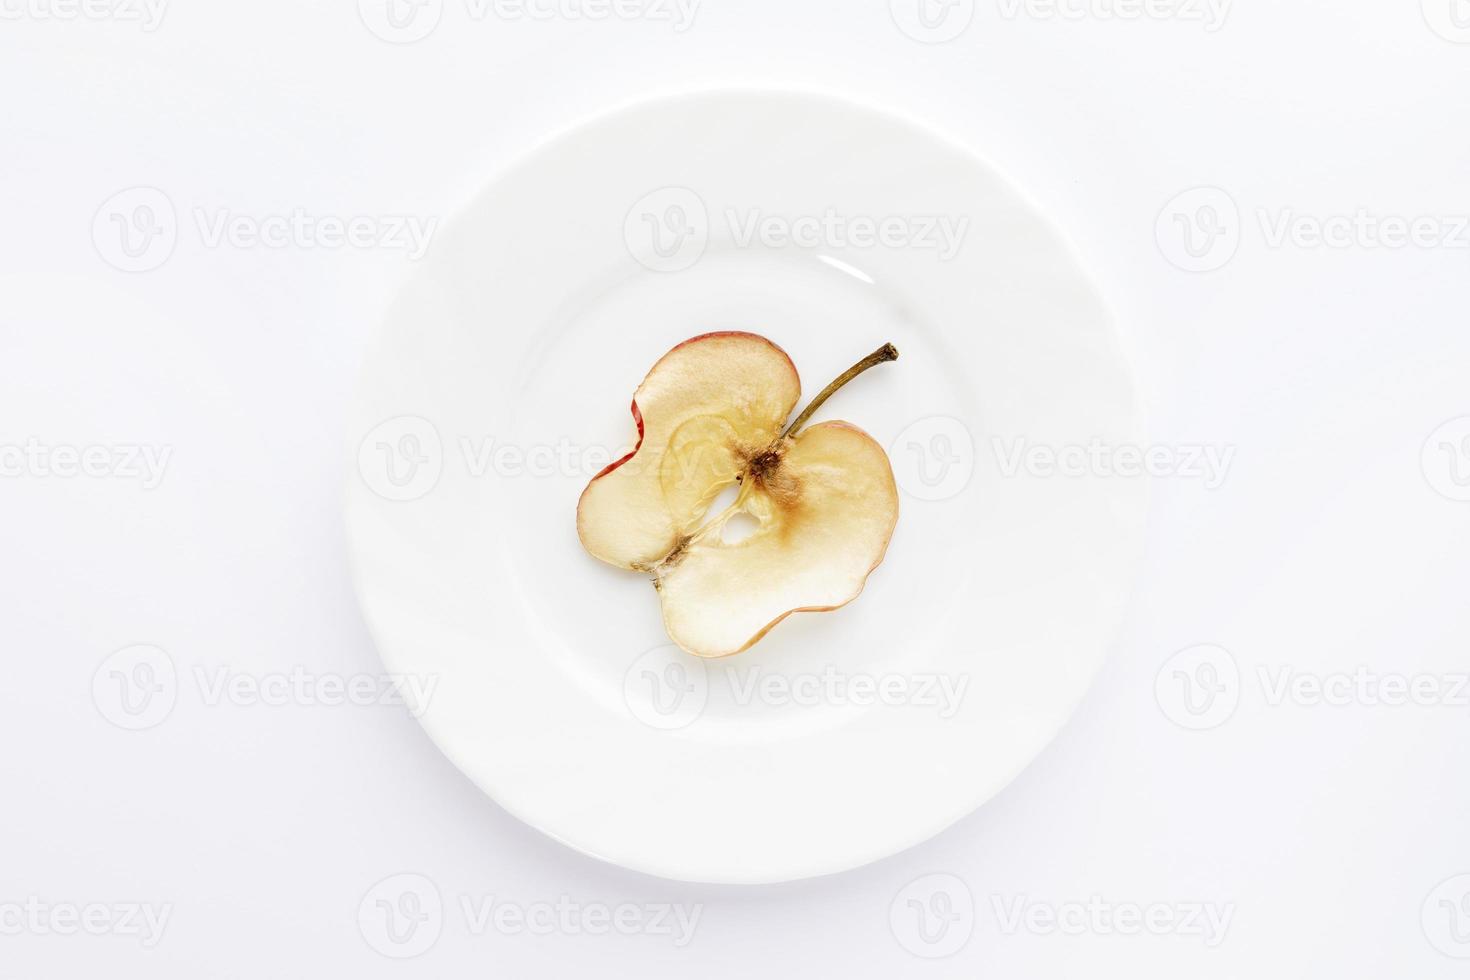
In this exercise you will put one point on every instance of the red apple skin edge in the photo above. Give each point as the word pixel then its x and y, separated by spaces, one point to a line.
pixel 638 415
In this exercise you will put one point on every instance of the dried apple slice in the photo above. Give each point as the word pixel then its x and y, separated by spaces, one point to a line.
pixel 709 415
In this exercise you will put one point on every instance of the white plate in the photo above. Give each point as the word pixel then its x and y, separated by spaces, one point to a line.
pixel 501 382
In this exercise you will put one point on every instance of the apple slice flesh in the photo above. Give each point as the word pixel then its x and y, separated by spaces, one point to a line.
pixel 703 412
pixel 826 510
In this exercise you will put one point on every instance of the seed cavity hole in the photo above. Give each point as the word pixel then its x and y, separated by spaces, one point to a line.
pixel 738 528
pixel 722 503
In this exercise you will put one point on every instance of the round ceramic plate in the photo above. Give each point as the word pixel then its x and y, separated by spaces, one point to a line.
pixel 501 383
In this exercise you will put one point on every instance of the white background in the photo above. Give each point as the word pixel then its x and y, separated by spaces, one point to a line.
pixel 1334 544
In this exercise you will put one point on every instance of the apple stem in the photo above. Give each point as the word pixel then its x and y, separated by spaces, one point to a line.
pixel 883 354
